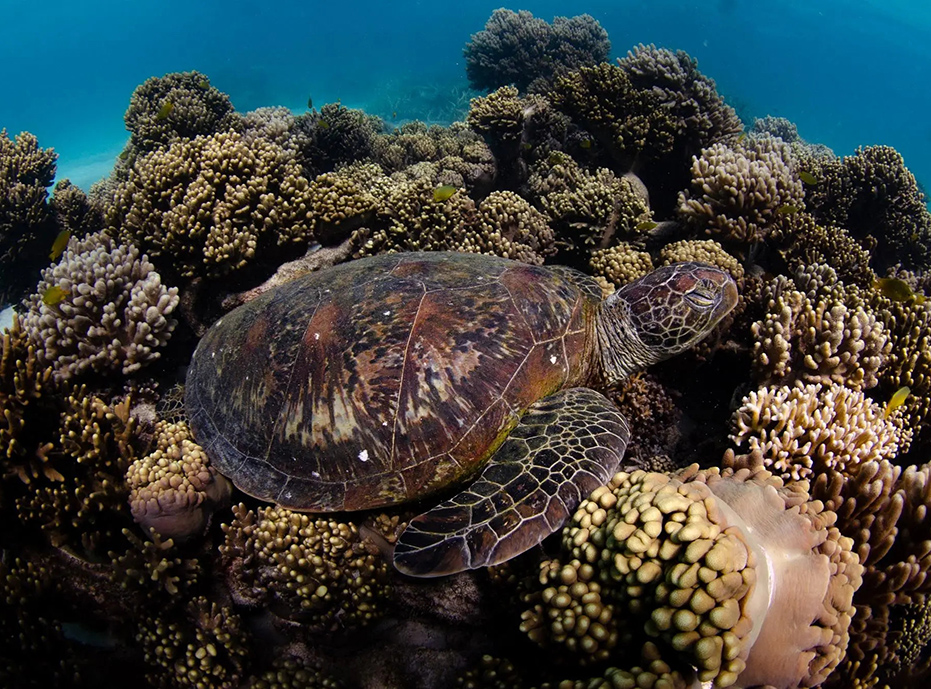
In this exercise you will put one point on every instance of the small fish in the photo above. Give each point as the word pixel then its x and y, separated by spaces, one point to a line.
pixel 743 135
pixel 556 158
pixel 204 84
pixel 59 245
pixel 787 209
pixel 165 110
pixel 310 103
pixel 526 146
pixel 807 178
pixel 124 155
pixel 54 295
pixel 394 115
pixel 586 143
pixel 444 192
pixel 897 290
pixel 646 226
pixel 897 400
pixel 323 124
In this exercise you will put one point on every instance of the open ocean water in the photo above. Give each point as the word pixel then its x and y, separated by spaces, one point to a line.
pixel 848 73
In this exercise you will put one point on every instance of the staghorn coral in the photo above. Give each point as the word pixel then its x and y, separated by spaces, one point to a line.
pixel 802 430
pixel 177 105
pixel 205 646
pixel 27 226
pixel 81 500
pixel 875 197
pixel 317 571
pixel 173 489
pixel 210 205
pixel 817 331
pixel 710 565
pixel 114 313
pixel 738 193
pixel 516 48
pixel 26 399
pixel 152 566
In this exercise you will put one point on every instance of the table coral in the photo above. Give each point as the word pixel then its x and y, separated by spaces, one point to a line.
pixel 113 315
pixel 176 105
pixel 210 205
pixel 520 49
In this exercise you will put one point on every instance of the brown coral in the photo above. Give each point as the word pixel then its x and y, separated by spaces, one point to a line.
pixel 210 205
pixel 177 105
pixel 114 313
pixel 174 490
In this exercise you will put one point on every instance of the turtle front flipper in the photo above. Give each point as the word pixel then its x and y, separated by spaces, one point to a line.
pixel 564 447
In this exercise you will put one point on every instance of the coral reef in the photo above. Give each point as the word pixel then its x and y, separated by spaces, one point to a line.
pixel 109 311
pixel 27 227
pixel 180 105
pixel 520 50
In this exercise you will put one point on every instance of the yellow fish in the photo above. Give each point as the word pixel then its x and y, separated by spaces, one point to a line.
pixel 897 400
pixel 444 192
pixel 59 245
pixel 787 209
pixel 165 110
pixel 323 124
pixel 123 154
pixel 646 226
pixel 897 290
pixel 807 178
pixel 54 295
pixel 203 83
pixel 586 143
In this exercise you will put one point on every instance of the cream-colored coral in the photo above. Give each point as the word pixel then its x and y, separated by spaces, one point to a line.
pixel 620 264
pixel 101 308
pixel 702 251
pixel 817 330
pixel 507 226
pixel 801 429
pixel 738 193
pixel 736 574
pixel 173 489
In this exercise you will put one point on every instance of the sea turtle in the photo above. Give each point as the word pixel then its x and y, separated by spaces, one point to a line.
pixel 390 378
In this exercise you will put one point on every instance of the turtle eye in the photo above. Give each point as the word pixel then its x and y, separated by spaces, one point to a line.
pixel 701 296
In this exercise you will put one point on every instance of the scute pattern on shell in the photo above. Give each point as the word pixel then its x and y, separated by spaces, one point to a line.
pixel 386 379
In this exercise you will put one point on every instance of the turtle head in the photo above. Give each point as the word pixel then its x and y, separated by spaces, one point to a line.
pixel 662 314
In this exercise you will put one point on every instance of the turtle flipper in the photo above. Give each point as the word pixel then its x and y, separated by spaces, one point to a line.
pixel 564 447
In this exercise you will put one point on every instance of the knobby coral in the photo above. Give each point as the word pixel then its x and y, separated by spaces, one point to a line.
pixel 729 571
pixel 101 308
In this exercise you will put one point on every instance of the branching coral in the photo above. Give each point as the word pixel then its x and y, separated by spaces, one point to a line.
pixel 27 227
pixel 589 210
pixel 153 566
pixel 210 205
pixel 205 646
pixel 620 264
pixel 177 105
pixel 872 194
pixel 336 136
pixel 817 330
pixel 174 490
pixel 728 571
pixel 804 429
pixel 738 193
pixel 516 48
pixel 85 504
pixel 317 571
pixel 110 311
pixel 703 251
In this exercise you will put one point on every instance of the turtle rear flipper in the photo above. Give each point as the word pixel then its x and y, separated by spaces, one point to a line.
pixel 564 447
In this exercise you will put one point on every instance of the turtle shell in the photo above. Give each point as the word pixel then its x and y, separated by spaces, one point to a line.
pixel 386 378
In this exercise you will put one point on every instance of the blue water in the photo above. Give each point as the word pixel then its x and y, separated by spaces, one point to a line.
pixel 848 72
